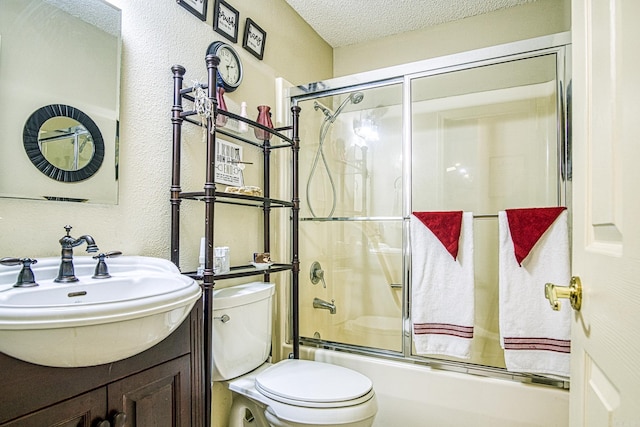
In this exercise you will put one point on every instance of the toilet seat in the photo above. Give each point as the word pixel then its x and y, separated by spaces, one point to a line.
pixel 313 384
pixel 281 390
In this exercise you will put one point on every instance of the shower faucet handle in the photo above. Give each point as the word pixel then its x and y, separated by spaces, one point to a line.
pixel 317 274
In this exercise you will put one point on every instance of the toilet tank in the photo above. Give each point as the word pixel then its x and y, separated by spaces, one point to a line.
pixel 242 324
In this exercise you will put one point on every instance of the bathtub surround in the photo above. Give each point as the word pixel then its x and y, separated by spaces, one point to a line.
pixel 477 132
pixel 535 338
pixel 442 278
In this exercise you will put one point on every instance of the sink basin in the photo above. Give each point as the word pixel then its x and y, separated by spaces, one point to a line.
pixel 92 321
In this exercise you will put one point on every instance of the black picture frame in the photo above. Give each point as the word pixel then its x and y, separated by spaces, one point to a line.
pixel 225 20
pixel 254 39
pixel 196 7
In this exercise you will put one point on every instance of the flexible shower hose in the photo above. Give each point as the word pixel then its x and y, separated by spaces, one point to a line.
pixel 320 154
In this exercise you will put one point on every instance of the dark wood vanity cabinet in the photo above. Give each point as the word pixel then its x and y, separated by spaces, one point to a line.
pixel 85 410
pixel 155 388
pixel 159 396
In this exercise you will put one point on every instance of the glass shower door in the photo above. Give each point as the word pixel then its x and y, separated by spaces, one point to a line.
pixel 485 139
pixel 351 281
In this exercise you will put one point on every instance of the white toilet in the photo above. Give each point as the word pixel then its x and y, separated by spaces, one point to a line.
pixel 290 393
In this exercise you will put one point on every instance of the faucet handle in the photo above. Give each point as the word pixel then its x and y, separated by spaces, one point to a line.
pixel 317 274
pixel 10 261
pixel 110 254
pixel 102 271
pixel 26 278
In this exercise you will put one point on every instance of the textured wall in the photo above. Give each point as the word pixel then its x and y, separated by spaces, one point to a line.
pixel 157 35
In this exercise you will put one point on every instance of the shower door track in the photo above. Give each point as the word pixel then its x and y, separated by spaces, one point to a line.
pixel 440 364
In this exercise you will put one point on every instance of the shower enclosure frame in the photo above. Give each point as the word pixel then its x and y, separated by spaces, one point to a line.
pixel 558 44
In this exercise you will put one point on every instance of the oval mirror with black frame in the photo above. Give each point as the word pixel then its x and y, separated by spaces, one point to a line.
pixel 63 143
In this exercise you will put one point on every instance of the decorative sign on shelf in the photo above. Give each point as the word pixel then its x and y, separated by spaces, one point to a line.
pixel 225 20
pixel 229 163
pixel 254 39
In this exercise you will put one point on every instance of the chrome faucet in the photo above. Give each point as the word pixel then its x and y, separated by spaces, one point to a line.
pixel 319 303
pixel 66 272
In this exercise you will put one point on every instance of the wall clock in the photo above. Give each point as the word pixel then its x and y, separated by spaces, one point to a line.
pixel 230 68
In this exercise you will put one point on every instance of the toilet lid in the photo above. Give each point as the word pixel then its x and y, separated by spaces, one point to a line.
pixel 313 384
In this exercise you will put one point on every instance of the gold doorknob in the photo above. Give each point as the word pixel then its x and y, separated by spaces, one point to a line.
pixel 574 292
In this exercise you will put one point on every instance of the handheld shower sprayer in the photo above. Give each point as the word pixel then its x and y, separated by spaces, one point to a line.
pixel 329 118
pixel 354 98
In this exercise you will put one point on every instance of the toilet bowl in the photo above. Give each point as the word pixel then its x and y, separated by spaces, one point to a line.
pixel 290 393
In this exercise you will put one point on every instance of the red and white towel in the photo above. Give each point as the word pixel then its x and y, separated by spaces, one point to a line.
pixel 442 286
pixel 534 250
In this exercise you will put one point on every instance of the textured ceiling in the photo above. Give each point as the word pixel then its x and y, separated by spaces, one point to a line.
pixel 345 22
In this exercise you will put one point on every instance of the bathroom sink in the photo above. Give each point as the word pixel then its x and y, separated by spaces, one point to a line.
pixel 92 321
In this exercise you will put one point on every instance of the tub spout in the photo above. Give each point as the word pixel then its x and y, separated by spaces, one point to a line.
pixel 319 303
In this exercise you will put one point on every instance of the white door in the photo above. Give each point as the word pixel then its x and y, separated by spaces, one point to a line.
pixel 605 371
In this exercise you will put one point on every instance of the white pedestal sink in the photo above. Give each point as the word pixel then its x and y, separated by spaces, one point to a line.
pixel 92 321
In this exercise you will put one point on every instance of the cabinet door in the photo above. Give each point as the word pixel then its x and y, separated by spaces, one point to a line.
pixel 85 410
pixel 159 397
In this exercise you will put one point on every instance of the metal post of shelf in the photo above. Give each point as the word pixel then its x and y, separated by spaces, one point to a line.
pixel 266 207
pixel 176 121
pixel 209 201
pixel 295 218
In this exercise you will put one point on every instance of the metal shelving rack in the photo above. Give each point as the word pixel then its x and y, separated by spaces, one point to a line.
pixel 210 197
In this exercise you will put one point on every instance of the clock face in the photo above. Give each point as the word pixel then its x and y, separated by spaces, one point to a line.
pixel 230 68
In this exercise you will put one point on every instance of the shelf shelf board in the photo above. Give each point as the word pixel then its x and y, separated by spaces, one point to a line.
pixel 244 271
pixel 353 218
pixel 277 132
pixel 237 199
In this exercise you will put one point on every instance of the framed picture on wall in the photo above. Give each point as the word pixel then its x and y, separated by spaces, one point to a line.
pixel 254 39
pixel 197 7
pixel 225 20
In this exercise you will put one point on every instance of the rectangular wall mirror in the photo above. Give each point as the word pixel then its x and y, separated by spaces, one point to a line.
pixel 59 98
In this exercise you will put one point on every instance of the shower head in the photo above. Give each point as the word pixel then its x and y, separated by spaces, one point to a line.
pixel 354 98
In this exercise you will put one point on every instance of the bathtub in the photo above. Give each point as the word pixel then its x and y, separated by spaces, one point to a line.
pixel 412 395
